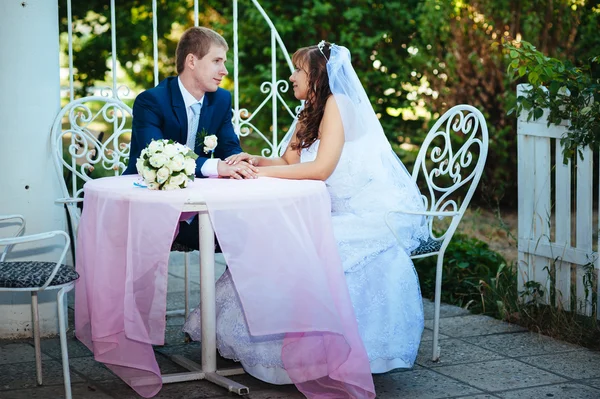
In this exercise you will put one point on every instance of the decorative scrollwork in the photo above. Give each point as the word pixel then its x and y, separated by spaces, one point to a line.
pixel 80 144
pixel 122 91
pixel 452 157
pixel 243 119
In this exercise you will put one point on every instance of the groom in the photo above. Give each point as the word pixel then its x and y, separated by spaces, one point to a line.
pixel 187 107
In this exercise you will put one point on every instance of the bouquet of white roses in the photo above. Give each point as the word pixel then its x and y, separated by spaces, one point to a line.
pixel 166 165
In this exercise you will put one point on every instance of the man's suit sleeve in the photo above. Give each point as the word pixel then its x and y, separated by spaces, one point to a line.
pixel 228 142
pixel 146 126
pixel 231 142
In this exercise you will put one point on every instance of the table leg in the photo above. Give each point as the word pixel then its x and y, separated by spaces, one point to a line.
pixel 208 369
pixel 207 293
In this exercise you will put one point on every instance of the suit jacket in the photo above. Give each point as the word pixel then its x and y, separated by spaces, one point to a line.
pixel 159 113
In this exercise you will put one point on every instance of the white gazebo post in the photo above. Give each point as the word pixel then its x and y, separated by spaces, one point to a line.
pixel 29 102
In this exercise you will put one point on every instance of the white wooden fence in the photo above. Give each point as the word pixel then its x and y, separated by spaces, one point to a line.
pixel 557 248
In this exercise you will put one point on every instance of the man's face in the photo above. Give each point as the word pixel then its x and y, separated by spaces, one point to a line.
pixel 299 80
pixel 210 70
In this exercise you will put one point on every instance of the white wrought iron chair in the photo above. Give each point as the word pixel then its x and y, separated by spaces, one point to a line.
pixel 451 160
pixel 85 150
pixel 37 276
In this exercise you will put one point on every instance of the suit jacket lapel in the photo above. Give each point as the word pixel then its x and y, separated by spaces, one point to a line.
pixel 204 122
pixel 179 109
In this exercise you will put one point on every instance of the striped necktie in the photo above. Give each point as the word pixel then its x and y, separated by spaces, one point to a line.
pixel 193 128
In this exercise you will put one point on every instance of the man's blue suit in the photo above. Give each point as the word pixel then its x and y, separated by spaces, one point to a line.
pixel 159 113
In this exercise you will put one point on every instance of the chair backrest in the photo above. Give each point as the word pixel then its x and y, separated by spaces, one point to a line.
pixel 451 160
pixel 90 138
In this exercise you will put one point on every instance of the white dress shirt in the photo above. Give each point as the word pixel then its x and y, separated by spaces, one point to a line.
pixel 209 168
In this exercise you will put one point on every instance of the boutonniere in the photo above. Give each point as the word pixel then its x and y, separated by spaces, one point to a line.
pixel 200 137
pixel 210 143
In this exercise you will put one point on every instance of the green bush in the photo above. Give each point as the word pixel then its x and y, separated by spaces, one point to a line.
pixel 474 277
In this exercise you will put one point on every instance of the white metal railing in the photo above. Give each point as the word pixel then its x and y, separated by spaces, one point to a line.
pixel 556 245
pixel 76 146
pixel 243 118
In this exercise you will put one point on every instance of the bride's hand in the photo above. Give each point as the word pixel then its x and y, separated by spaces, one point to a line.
pixel 242 156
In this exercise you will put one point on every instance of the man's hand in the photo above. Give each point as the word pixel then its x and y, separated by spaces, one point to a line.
pixel 241 170
pixel 242 156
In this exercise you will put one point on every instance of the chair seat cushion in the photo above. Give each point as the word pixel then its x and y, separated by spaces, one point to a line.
pixel 31 274
pixel 179 247
pixel 427 246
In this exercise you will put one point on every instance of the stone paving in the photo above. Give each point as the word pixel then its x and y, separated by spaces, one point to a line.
pixel 480 358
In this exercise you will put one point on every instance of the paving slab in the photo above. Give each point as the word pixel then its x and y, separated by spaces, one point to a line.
pixel 566 391
pixel 176 320
pixel 594 382
pixel 428 336
pixel 18 352
pixel 176 266
pixel 482 396
pixel 419 383
pixel 445 310
pixel 497 375
pixel 473 325
pixel 78 391
pixel 22 375
pixel 51 346
pixel 455 351
pixel 176 300
pixel 184 390
pixel 577 364
pixel 177 284
pixel 522 344
pixel 91 369
pixel 174 336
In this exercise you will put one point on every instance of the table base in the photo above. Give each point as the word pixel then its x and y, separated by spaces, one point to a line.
pixel 195 373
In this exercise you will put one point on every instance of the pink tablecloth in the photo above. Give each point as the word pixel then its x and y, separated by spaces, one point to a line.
pixel 277 238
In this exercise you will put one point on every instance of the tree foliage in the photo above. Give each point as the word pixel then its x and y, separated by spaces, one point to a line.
pixel 569 93
pixel 416 58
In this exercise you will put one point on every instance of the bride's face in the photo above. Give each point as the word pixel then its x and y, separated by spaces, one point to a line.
pixel 299 80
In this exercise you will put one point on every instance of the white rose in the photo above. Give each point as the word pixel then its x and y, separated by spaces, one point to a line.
pixel 149 175
pixel 181 148
pixel 190 166
pixel 144 153
pixel 170 150
pixel 156 145
pixel 158 160
pixel 210 143
pixel 153 186
pixel 169 187
pixel 162 175
pixel 139 166
pixel 177 163
pixel 177 179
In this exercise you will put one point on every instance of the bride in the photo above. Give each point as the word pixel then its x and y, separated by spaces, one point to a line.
pixel 337 138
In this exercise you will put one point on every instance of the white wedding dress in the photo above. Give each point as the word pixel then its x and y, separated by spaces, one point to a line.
pixel 381 279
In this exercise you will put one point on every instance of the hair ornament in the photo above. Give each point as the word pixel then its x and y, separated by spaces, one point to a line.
pixel 321 46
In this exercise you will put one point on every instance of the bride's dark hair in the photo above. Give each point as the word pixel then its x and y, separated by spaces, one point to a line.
pixel 314 62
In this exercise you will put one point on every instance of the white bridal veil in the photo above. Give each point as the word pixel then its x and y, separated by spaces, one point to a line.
pixel 370 163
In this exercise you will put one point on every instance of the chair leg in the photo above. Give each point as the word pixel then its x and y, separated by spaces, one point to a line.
pixel 35 319
pixel 186 259
pixel 435 355
pixel 63 340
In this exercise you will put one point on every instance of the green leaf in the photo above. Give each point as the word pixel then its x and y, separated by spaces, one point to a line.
pixel 522 70
pixel 537 113
pixel 533 78
pixel 514 54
